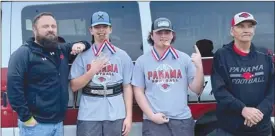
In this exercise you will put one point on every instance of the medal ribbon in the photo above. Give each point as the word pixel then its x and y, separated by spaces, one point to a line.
pixel 165 54
pixel 101 47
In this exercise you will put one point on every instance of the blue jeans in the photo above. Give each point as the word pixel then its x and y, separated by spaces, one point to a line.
pixel 41 129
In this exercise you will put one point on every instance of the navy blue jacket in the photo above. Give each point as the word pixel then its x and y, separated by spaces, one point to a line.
pixel 37 82
pixel 240 81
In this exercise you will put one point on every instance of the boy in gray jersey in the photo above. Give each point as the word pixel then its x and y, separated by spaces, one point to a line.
pixel 104 74
pixel 161 79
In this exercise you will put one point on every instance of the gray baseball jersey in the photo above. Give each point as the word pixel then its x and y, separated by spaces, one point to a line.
pixel 119 70
pixel 165 80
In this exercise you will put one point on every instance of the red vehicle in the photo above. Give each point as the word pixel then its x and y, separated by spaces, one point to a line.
pixel 131 21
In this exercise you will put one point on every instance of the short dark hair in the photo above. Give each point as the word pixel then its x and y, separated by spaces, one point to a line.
pixel 151 42
pixel 37 17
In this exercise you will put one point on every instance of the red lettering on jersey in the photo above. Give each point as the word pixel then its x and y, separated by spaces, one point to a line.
pixel 103 70
pixel 173 73
pixel 115 70
pixel 110 68
pixel 167 75
pixel 179 74
pixel 155 75
pixel 161 75
pixel 149 74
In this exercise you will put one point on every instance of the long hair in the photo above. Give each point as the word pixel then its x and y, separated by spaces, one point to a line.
pixel 93 38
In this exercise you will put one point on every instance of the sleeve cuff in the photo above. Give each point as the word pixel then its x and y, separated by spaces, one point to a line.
pixel 24 119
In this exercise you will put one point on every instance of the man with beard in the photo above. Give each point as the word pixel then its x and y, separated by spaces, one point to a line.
pixel 38 79
pixel 243 83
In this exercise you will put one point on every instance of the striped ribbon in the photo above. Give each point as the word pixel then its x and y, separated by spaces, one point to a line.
pixel 102 46
pixel 170 49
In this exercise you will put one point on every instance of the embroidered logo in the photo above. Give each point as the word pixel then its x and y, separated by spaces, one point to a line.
pixel 101 79
pixel 61 56
pixel 244 15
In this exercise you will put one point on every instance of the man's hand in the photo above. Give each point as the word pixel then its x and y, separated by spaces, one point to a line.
pixel 159 118
pixel 248 123
pixel 196 57
pixel 77 48
pixel 31 122
pixel 252 115
pixel 127 125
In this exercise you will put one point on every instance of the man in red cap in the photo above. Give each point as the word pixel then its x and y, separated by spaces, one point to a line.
pixel 243 83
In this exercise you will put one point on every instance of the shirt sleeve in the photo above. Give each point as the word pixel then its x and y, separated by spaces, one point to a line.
pixel 16 77
pixel 266 105
pixel 127 69
pixel 138 78
pixel 78 68
pixel 68 47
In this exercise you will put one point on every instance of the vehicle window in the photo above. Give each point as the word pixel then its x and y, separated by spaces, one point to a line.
pixel 194 21
pixel 74 19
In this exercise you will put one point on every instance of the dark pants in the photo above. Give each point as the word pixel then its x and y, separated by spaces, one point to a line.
pixel 99 128
pixel 221 132
pixel 184 127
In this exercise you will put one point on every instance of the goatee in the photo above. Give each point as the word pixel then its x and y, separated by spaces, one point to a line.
pixel 49 43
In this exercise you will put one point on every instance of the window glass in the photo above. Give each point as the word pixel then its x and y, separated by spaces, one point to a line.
pixel 194 21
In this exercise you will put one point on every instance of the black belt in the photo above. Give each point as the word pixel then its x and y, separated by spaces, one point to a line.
pixel 112 90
